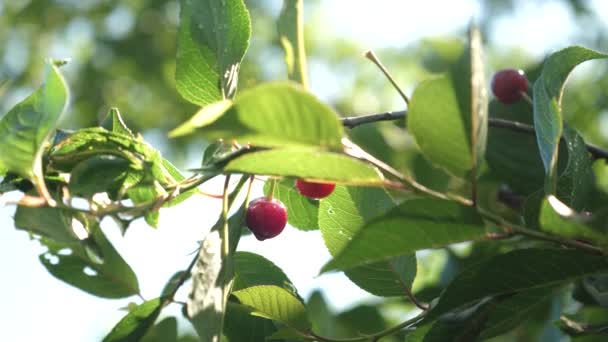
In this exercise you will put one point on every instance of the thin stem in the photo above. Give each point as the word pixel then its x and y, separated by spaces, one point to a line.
pixel 273 186
pixel 410 295
pixel 372 57
pixel 354 121
pixel 562 241
pixel 527 98
pixel 515 229
pixel 355 151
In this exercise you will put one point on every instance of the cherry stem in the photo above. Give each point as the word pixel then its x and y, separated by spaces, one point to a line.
pixel 201 192
pixel 372 57
pixel 527 98
pixel 273 186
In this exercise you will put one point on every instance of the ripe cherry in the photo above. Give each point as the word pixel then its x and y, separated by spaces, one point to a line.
pixel 508 85
pixel 314 190
pixel 266 218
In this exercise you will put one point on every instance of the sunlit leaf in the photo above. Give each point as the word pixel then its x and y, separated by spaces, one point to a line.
pixel 548 91
pixel 271 114
pixel 441 129
pixel 253 270
pixel 411 226
pixel 212 40
pixel 25 129
pixel 309 164
pixel 342 215
pixel 275 303
pixel 557 218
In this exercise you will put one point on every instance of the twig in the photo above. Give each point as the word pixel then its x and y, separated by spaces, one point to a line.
pixel 374 59
pixel 355 151
pixel 420 305
pixel 515 229
pixel 354 121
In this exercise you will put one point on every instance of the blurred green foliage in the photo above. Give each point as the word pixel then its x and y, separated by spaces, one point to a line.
pixel 123 55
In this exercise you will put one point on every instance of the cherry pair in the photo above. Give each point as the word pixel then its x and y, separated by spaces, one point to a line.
pixel 266 217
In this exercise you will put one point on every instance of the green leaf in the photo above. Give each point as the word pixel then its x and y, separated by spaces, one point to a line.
pixel 413 225
pixel 303 211
pixel 176 175
pixel 575 183
pixel 320 315
pixel 88 142
pixel 53 223
pixel 516 271
pixel 115 123
pixel 99 174
pixel 291 35
pixel 163 331
pixel 440 128
pixel 362 319
pixel 212 40
pixel 203 117
pixel 144 194
pixel 25 129
pixel 463 327
pixel 309 164
pixel 508 150
pixel 110 278
pixel 252 270
pixel 173 283
pixel 342 216
pixel 278 114
pixel 136 323
pixel 548 91
pixel 559 219
pixel 275 303
pixel 515 310
pixel 452 133
pixel 240 325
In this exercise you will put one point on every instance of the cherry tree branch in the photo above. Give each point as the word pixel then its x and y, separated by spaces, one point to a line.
pixel 354 121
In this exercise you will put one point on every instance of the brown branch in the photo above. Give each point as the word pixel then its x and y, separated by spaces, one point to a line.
pixel 354 121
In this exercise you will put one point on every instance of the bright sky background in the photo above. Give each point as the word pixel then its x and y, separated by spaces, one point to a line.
pixel 36 306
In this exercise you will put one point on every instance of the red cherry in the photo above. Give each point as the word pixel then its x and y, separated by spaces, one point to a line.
pixel 314 190
pixel 508 85
pixel 266 217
